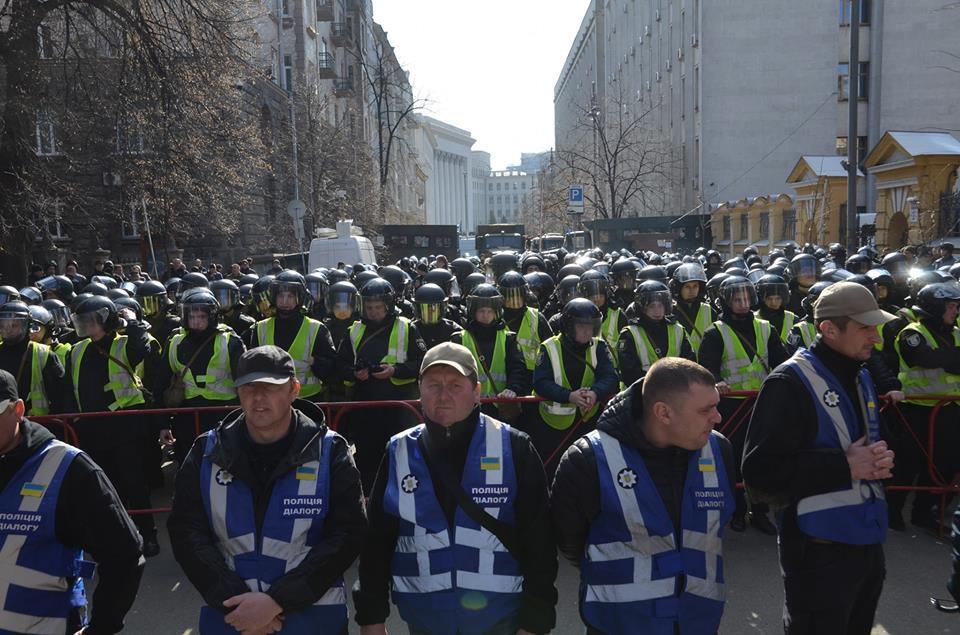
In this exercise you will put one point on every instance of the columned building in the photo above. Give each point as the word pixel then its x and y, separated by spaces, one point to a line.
pixel 449 200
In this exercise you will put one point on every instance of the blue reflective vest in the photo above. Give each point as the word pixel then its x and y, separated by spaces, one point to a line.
pixel 40 579
pixel 460 579
pixel 631 562
pixel 292 525
pixel 857 515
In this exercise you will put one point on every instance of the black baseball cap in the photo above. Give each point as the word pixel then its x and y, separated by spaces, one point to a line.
pixel 8 390
pixel 267 364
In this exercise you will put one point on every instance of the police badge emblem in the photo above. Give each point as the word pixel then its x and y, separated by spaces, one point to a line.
pixel 831 398
pixel 626 478
pixel 409 483
pixel 224 477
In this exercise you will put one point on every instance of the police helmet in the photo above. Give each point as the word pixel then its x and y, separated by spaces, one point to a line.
pixel 461 268
pixel 594 286
pixel 316 282
pixel 8 294
pixel 837 252
pixel 922 279
pixel 443 279
pixel 152 296
pixel 484 296
pixel 131 305
pixel 41 317
pixel 199 309
pixel 60 287
pixel 399 279
pixel 503 262
pixel 567 289
pixel 15 322
pixel 248 278
pixel 624 274
pixel 532 262
pixel 430 303
pixel 31 295
pixel 580 311
pixel 737 290
pixel 108 281
pixel 377 290
pixel 513 287
pixel 337 275
pixel 172 286
pixel 292 282
pixel 713 285
pixel 362 278
pixel 193 280
pixel 541 286
pixel 857 264
pixel 95 310
pixel 653 272
pixel 114 294
pixel 570 270
pixel 226 292
pixel 804 268
pixel 246 294
pixel 813 294
pixel 59 311
pixel 653 292
pixel 932 299
pixel 342 300
pixel 471 281
pixel 96 288
pixel 864 281
pixel 771 285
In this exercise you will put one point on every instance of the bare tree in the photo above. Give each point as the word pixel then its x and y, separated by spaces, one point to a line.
pixel 615 152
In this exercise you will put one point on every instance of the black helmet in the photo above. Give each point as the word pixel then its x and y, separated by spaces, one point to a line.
pixel 955 271
pixel 246 294
pixel 836 275
pixel 870 253
pixel 837 252
pixel 14 322
pixel 172 286
pixel 226 292
pixel 653 272
pixel 193 280
pixel 541 285
pixel 248 278
pixel 96 288
pixel 532 262
pixel 41 317
pixel 484 296
pixel 865 281
pixel 31 295
pixel 152 296
pixel 108 281
pixel 771 285
pixel 290 281
pixel 857 264
pixel 317 284
pixel 461 268
pixel 261 290
pixel 624 274
pixel 430 303
pixel 898 265
pixel 567 289
pixel 513 287
pixel 59 311
pixel 363 277
pixel 880 277
pixel 377 290
pixel 199 301
pixel 570 270
pixel 714 259
pixel 60 287
pixel 95 310
pixel 443 279
pixel 337 275
pixel 805 269
pixel 813 294
pixel 114 294
pixel 734 288
pixel 750 251
pixel 688 272
pixel 580 311
pixel 594 286
pixel 343 300
pixel 399 279
pixel 8 294
pixel 713 285
pixel 471 281
pixel 735 263
pixel 503 262
pixel 932 299
pixel 922 279
pixel 651 292
pixel 130 304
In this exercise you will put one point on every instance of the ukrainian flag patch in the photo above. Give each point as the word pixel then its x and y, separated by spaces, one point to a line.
pixel 306 473
pixel 489 462
pixel 32 489
pixel 707 465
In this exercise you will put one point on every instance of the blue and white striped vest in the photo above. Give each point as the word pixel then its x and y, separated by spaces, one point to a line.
pixel 292 525
pixel 460 579
pixel 857 515
pixel 40 579
pixel 632 561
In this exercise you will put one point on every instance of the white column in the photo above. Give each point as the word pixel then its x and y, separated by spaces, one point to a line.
pixel 448 183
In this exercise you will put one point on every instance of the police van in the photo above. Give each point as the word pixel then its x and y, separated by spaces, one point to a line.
pixel 344 246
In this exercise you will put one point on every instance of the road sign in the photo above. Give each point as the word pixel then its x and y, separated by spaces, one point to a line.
pixel 575 198
pixel 297 209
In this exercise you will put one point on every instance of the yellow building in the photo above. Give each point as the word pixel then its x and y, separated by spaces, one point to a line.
pixel 916 181
pixel 820 183
pixel 764 222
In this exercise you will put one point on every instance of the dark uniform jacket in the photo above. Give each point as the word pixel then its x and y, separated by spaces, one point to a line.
pixel 54 383
pixel 631 369
pixel 434 334
pixel 372 348
pixel 711 348
pixel 537 555
pixel 89 515
pixel 239 321
pixel 285 331
pixel 916 352
pixel 198 366
pixel 259 466
pixel 605 379
pixel 514 317
pixel 518 377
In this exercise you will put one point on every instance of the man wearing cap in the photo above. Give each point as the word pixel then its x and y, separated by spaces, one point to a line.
pixel 57 509
pixel 459 518
pixel 813 449
pixel 268 511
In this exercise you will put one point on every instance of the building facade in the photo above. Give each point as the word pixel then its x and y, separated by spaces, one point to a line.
pixel 449 200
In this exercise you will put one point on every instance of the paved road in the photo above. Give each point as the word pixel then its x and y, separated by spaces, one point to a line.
pixel 917 566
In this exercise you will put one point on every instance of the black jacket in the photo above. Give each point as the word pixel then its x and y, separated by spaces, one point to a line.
pixel 519 379
pixel 54 382
pixel 779 461
pixel 198 366
pixel 90 516
pixel 259 467
pixel 575 495
pixel 513 318
pixel 710 355
pixel 434 334
pixel 93 375
pixel 917 353
pixel 631 368
pixel 537 557
pixel 373 347
pixel 285 331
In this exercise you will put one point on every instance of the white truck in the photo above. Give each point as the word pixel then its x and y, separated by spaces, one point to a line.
pixel 329 249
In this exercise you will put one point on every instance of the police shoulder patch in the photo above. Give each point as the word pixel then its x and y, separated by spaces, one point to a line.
pixel 409 483
pixel 831 398
pixel 224 477
pixel 626 478
pixel 913 340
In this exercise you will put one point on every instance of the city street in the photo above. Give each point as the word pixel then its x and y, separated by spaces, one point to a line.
pixel 917 567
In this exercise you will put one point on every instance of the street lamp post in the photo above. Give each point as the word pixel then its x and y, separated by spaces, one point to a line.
pixel 595 118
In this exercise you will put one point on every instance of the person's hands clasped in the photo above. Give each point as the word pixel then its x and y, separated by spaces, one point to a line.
pixel 362 374
pixel 506 393
pixel 870 462
pixel 386 372
pixel 253 613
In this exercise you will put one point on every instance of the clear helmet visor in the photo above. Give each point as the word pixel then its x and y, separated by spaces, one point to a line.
pixel 86 323
pixel 582 329
pixel 153 305
pixel 316 289
pixel 61 316
pixel 198 317
pixel 14 327
pixel 804 271
pixel 343 304
pixel 227 297
pixel 781 290
pixel 430 313
pixel 626 280
pixel 591 289
pixel 490 307
pixel 740 297
pixel 514 297
pixel 656 305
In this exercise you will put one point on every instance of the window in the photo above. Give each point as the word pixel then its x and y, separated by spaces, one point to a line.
pixel 523 185
pixel 764 226
pixel 498 187
pixel 789 225
pixel 489 186
pixel 285 8
pixel 843 81
pixel 53 222
pixel 845 7
pixel 288 72
pixel 130 227
pixel 726 228
pixel 515 199
pixel 861 148
pixel 130 138
pixel 744 227
pixel 491 200
pixel 46 136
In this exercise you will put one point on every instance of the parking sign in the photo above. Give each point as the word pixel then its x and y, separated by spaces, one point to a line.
pixel 576 196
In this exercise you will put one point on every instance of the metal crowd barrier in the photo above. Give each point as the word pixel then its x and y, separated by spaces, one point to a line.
pixel 335 410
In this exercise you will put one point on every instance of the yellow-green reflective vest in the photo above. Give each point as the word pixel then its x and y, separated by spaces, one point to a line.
pixel 528 337
pixel 301 350
pixel 218 381
pixel 39 354
pixel 789 320
pixel 127 390
pixel 560 416
pixel 610 332
pixel 925 381
pixel 808 333
pixel 61 350
pixel 497 365
pixel 396 347
pixel 739 369
pixel 644 347
pixel 702 323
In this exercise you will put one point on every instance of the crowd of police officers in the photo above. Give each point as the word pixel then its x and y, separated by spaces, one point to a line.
pixel 359 333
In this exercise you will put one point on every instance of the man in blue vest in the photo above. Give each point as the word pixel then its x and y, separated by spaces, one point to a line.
pixel 639 505
pixel 813 449
pixel 268 510
pixel 57 506
pixel 459 519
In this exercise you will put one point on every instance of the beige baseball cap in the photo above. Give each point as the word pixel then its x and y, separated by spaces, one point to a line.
pixel 451 354
pixel 852 300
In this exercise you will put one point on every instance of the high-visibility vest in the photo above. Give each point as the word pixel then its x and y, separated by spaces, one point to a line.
pixel 396 347
pixel 610 332
pixel 301 350
pixel 37 395
pixel 294 522
pixel 632 561
pixel 127 389
pixel 560 416
pixel 856 514
pixel 40 578
pixel 528 337
pixel 62 351
pixel 925 381
pixel 218 381
pixel 739 369
pixel 644 347
pixel 807 331
pixel 702 323
pixel 453 579
pixel 497 365
pixel 789 319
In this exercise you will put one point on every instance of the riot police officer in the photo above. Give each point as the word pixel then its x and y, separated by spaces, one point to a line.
pixel 342 303
pixel 804 270
pixel 595 287
pixel 528 323
pixel 156 303
pixel 430 304
pixel 231 312
pixel 652 335
pixel 37 369
pixel 624 274
pixel 446 281
pixel 689 287
pixel 774 295
pixel 401 282
pixel 317 286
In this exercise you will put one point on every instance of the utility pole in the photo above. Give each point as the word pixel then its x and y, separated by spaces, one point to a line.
pixel 853 94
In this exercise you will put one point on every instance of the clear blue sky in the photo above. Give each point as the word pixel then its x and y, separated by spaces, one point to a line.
pixel 487 66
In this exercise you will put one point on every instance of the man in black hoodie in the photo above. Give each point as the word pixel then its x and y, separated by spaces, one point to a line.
pixel 653 479
pixel 268 510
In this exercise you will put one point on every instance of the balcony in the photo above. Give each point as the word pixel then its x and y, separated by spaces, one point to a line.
pixel 326 66
pixel 324 10
pixel 341 34
pixel 343 87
